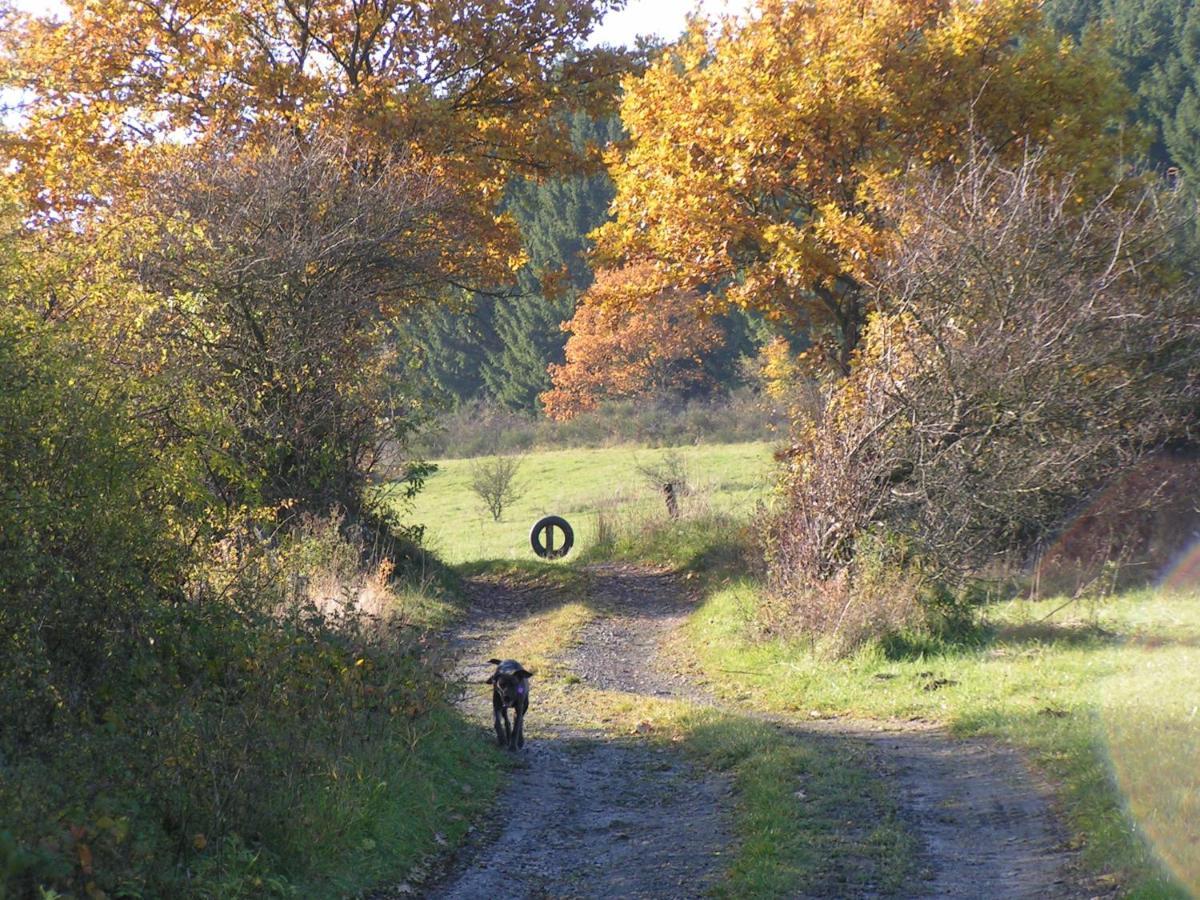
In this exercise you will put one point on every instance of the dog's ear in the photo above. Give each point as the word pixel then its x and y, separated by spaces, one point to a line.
pixel 523 674
pixel 494 662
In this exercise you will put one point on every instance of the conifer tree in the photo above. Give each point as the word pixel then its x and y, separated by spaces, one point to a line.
pixel 500 345
pixel 1155 45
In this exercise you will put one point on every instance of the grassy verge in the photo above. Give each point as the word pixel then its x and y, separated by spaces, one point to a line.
pixel 386 809
pixel 1102 697
pixel 296 753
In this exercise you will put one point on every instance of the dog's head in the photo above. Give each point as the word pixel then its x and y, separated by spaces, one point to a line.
pixel 510 680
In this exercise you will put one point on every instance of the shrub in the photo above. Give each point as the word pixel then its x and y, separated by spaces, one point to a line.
pixel 494 482
pixel 179 721
pixel 479 429
pixel 1023 350
pixel 85 546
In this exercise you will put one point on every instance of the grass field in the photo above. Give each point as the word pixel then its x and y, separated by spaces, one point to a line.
pixel 580 485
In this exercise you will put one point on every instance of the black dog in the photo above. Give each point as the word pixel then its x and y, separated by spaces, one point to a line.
pixel 510 687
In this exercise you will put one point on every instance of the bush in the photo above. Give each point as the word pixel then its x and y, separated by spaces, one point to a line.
pixel 1024 350
pixel 182 721
pixel 494 482
pixel 85 546
pixel 237 748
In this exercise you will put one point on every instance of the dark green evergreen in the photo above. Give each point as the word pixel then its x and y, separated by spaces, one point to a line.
pixel 451 345
pixel 555 218
pixel 499 345
pixel 1156 47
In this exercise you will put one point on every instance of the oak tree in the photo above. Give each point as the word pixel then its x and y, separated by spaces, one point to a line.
pixel 756 150
pixel 469 94
pixel 626 343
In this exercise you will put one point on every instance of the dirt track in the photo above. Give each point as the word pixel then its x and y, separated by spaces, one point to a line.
pixel 587 815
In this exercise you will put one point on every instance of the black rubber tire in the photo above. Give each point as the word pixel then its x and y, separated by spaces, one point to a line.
pixel 545 524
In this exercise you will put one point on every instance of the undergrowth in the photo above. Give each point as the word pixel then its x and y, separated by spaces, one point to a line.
pixel 284 734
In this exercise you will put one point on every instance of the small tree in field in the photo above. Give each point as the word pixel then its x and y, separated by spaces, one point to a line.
pixel 494 482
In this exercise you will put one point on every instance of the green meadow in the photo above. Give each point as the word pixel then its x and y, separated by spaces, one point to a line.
pixel 584 485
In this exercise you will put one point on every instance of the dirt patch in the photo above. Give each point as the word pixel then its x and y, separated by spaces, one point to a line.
pixel 985 821
pixel 584 817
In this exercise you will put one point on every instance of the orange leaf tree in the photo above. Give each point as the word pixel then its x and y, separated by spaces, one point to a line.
pixel 267 183
pixel 756 152
pixel 467 94
pixel 627 343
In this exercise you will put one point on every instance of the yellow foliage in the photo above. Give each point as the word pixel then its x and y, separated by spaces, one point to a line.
pixel 758 152
pixel 120 85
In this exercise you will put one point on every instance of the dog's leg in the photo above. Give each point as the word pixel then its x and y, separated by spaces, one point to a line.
pixel 508 730
pixel 498 712
pixel 520 725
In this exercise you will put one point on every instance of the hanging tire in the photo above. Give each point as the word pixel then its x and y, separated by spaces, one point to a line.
pixel 541 537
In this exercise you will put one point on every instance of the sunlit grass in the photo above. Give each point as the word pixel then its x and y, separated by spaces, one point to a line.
pixel 1104 696
pixel 1151 716
pixel 579 484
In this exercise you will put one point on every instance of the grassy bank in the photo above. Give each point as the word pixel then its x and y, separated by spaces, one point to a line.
pixel 585 486
pixel 265 750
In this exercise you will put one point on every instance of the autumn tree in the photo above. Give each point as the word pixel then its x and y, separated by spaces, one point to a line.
pixel 626 343
pixel 275 181
pixel 469 98
pixel 756 150
pixel 276 273
pixel 472 92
